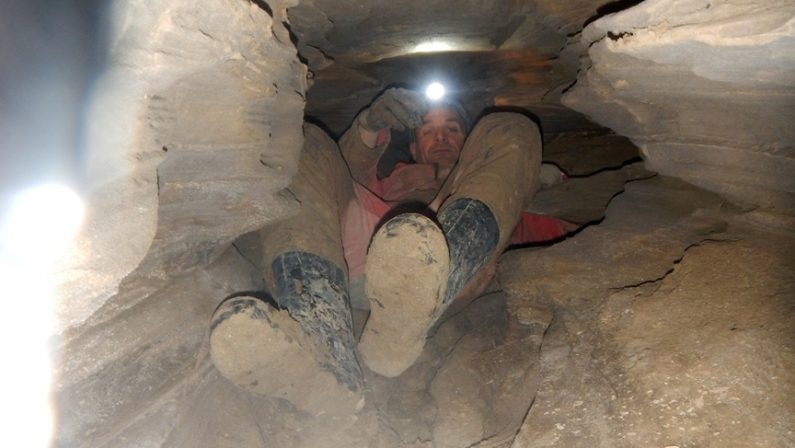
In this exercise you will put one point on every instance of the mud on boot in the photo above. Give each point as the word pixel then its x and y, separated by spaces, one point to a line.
pixel 265 351
pixel 314 291
pixel 472 235
pixel 406 277
pixel 414 270
pixel 316 318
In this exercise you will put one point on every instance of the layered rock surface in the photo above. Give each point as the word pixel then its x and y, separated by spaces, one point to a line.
pixel 194 131
pixel 705 89
pixel 194 128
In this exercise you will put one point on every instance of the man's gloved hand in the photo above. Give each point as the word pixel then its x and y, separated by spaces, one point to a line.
pixel 396 108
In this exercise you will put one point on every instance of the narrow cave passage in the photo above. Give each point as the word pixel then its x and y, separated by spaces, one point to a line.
pixel 662 315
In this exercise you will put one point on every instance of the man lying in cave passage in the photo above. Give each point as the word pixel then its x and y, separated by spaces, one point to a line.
pixel 474 185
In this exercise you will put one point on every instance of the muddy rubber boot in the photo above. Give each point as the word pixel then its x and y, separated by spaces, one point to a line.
pixel 265 351
pixel 303 353
pixel 472 235
pixel 406 278
pixel 314 291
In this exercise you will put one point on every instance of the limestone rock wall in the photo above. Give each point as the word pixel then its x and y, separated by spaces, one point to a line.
pixel 194 131
pixel 705 88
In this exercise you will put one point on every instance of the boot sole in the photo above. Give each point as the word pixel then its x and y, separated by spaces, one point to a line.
pixel 265 351
pixel 406 278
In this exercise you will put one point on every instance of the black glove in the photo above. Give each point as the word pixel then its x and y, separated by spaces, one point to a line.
pixel 396 108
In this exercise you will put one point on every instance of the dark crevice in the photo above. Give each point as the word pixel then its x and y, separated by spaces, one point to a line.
pixel 264 6
pixel 618 36
pixel 319 123
pixel 159 182
pixel 651 281
pixel 258 295
pixel 623 165
pixel 293 36
pixel 568 87
pixel 611 8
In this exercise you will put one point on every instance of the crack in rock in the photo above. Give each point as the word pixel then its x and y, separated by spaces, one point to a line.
pixel 674 264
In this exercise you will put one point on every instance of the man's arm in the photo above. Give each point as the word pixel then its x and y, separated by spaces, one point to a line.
pixel 361 149
pixel 365 141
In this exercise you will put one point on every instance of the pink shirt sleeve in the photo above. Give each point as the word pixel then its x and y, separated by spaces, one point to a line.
pixel 537 228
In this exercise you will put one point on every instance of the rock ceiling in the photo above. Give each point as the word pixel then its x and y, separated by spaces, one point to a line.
pixel 490 52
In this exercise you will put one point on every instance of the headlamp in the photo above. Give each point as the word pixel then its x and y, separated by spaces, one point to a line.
pixel 435 91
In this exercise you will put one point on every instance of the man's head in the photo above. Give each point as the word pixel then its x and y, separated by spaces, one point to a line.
pixel 440 138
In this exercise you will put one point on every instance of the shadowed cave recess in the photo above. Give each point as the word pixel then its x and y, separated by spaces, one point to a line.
pixel 664 318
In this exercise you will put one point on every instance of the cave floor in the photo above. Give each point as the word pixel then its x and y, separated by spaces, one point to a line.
pixel 672 326
pixel 666 321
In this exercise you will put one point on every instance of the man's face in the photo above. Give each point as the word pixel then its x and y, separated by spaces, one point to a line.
pixel 440 138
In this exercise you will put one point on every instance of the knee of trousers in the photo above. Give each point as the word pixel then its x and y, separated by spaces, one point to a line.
pixel 321 185
pixel 316 139
pixel 511 132
pixel 321 159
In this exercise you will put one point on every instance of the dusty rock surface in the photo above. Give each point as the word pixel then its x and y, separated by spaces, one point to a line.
pixel 672 326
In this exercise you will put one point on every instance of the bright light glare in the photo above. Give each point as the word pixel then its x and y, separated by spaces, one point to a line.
pixel 435 91
pixel 43 220
pixel 433 46
pixel 37 229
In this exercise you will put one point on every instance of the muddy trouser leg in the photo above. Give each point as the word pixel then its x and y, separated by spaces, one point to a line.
pixel 303 256
pixel 482 199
